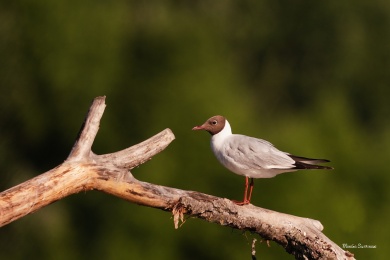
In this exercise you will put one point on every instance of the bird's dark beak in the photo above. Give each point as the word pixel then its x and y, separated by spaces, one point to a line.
pixel 199 127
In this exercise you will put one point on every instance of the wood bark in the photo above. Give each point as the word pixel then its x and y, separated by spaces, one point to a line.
pixel 110 173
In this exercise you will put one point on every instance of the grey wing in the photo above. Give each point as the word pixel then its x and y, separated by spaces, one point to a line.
pixel 253 153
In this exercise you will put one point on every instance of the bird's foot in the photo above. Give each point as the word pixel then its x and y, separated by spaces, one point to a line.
pixel 241 203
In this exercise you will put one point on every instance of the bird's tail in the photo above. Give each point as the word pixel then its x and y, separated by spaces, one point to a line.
pixel 309 163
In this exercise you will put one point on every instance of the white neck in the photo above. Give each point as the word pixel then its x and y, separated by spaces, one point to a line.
pixel 217 139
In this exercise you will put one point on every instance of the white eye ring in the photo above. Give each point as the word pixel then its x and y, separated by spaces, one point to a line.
pixel 214 122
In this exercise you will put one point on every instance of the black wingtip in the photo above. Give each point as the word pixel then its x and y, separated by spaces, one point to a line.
pixel 309 163
pixel 302 165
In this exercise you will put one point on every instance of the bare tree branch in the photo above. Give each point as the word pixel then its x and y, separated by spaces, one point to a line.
pixel 83 170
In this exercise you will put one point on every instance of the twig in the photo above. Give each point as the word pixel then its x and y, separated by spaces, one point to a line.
pixel 254 249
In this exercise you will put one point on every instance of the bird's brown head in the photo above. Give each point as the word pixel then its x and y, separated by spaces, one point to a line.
pixel 213 125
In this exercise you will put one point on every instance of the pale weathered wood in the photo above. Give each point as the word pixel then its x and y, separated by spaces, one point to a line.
pixel 83 170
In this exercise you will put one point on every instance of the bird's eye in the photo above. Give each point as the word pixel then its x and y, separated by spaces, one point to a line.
pixel 214 122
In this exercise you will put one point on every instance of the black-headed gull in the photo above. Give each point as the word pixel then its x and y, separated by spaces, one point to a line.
pixel 252 157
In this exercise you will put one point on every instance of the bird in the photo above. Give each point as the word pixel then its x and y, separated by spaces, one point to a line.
pixel 252 157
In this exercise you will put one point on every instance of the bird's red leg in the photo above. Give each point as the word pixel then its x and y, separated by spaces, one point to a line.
pixel 245 201
pixel 246 191
pixel 250 190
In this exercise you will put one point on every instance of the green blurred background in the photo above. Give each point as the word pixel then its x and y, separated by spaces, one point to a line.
pixel 312 77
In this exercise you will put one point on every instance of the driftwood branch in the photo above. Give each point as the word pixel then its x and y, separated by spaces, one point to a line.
pixel 83 170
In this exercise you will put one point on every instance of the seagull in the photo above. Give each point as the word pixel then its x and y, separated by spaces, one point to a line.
pixel 252 157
